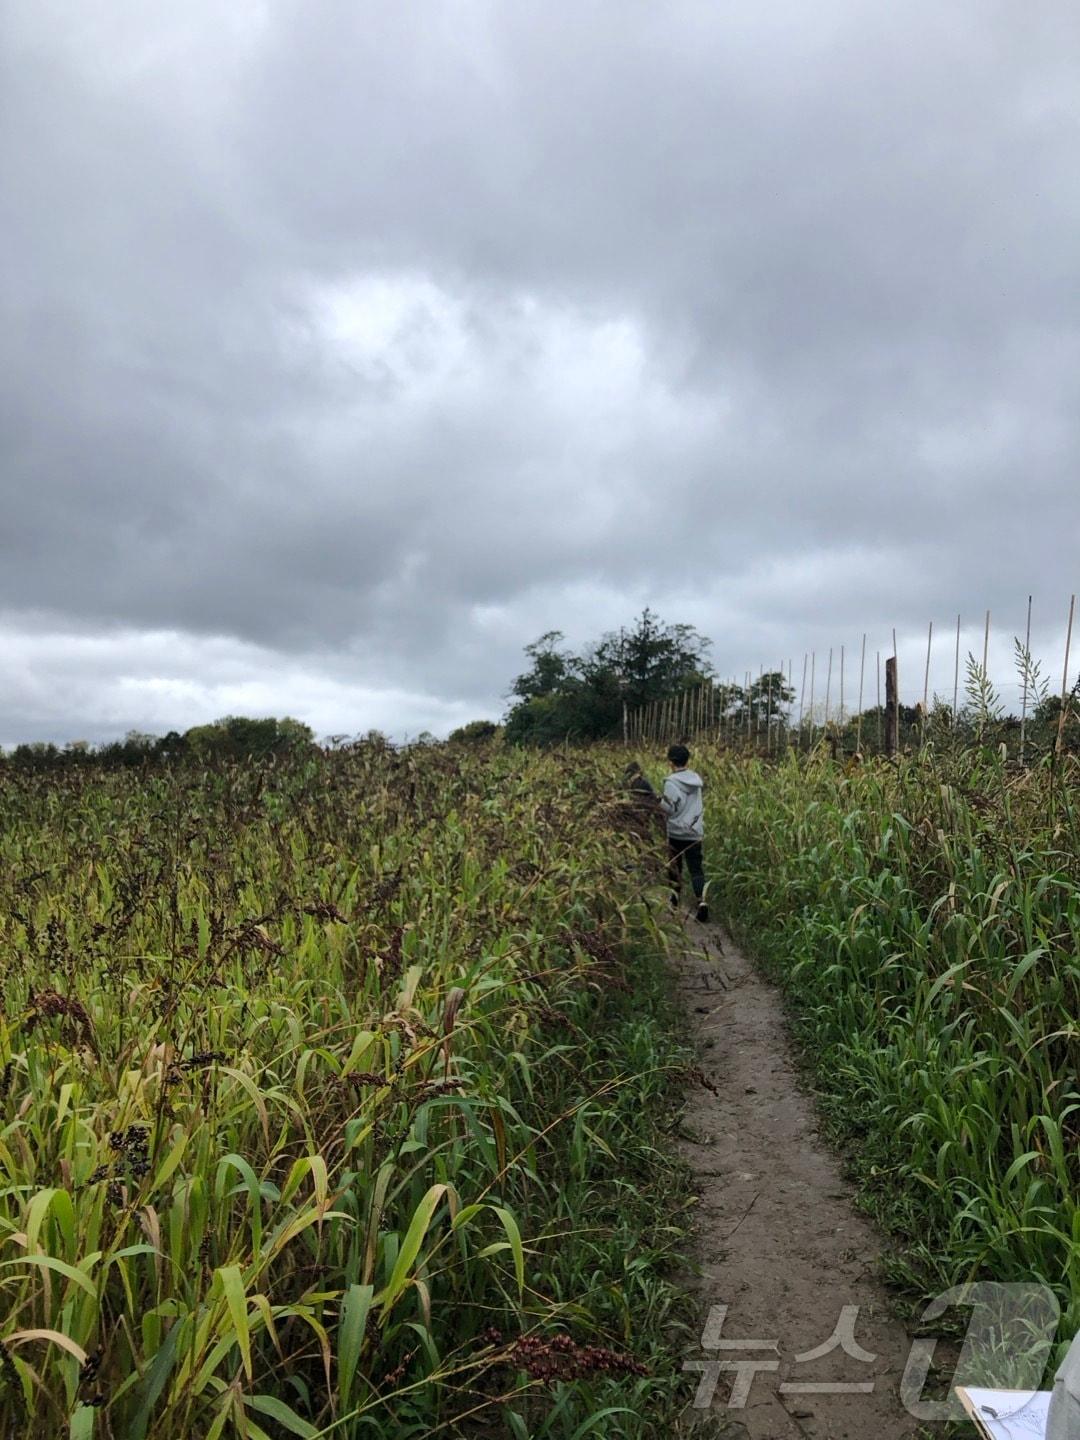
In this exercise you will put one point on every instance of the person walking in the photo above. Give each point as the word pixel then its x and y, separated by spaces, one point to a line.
pixel 682 803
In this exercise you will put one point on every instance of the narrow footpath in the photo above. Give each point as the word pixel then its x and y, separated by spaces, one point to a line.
pixel 779 1242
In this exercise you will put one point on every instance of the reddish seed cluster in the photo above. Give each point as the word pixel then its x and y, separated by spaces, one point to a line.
pixel 324 910
pixel 557 1357
pixel 176 1071
pixel 439 1087
pixel 50 1004
pixel 595 946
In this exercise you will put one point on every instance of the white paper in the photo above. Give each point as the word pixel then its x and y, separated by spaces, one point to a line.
pixel 1010 1414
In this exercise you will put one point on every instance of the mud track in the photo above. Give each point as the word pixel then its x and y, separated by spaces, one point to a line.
pixel 779 1242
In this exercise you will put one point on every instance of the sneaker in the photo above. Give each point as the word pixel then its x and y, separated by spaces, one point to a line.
pixel 702 912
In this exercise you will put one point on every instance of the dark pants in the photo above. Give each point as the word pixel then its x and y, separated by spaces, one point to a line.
pixel 690 851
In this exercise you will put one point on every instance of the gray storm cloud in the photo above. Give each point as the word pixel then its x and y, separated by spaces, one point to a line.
pixel 346 348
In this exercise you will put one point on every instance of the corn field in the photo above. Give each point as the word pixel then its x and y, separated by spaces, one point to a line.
pixel 329 1095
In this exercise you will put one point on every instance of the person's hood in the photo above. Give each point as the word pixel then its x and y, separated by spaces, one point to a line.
pixel 689 779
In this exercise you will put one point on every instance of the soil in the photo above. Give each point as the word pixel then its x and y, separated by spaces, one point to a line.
pixel 778 1239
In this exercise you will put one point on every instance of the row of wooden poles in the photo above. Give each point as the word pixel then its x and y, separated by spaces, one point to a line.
pixel 706 708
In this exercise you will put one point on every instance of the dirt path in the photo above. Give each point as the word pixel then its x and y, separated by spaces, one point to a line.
pixel 779 1241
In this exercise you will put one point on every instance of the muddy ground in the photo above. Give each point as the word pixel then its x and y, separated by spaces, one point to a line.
pixel 779 1241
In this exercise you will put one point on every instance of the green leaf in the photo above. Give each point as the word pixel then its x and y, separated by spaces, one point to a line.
pixel 513 1234
pixel 410 1248
pixel 154 1383
pixel 282 1413
pixel 232 1285
pixel 354 1313
pixel 82 1423
pixel 50 1262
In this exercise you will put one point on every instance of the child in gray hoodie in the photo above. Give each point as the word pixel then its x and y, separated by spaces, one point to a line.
pixel 682 804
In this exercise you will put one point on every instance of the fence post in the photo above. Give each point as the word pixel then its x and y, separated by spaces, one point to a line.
pixel 892 714
pixel 1064 681
pixel 1027 671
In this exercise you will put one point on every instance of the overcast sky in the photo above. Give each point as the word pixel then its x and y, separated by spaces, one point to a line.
pixel 346 347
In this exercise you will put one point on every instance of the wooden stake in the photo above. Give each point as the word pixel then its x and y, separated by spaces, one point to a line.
pixel 858 723
pixel 813 665
pixel 841 687
pixel 1065 680
pixel 986 644
pixel 802 695
pixel 985 676
pixel 1027 666
pixel 748 706
pixel 926 682
pixel 892 707
pixel 828 689
pixel 956 676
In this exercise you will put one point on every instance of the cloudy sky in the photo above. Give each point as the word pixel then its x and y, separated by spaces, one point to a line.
pixel 346 346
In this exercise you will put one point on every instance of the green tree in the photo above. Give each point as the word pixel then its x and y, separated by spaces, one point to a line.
pixel 563 696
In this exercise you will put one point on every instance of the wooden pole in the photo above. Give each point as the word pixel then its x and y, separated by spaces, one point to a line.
pixel 985 675
pixel 802 695
pixel 956 676
pixel 858 723
pixel 813 665
pixel 892 707
pixel 1027 667
pixel 880 713
pixel 926 682
pixel 986 645
pixel 748 706
pixel 768 720
pixel 828 689
pixel 841 687
pixel 1065 681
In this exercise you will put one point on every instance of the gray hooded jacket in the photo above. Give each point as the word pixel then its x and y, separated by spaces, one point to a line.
pixel 682 802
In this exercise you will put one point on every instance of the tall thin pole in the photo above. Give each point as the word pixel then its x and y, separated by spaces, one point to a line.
pixel 986 645
pixel 880 712
pixel 985 676
pixel 896 683
pixel 1027 667
pixel 802 695
pixel 858 723
pixel 956 673
pixel 841 687
pixel 757 709
pixel 748 705
pixel 828 689
pixel 813 667
pixel 1065 680
pixel 926 681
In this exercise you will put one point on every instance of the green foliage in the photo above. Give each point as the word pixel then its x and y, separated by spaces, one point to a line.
pixel 315 1098
pixel 581 697
pixel 233 738
pixel 925 920
pixel 476 732
pixel 239 737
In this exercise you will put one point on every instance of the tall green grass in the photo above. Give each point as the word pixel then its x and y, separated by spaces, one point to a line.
pixel 924 918
pixel 330 1095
